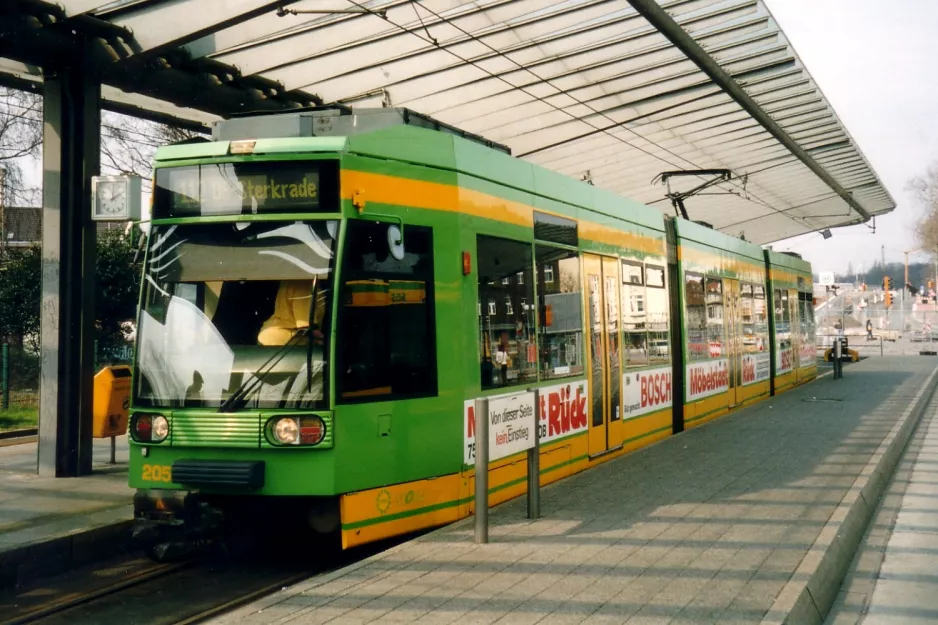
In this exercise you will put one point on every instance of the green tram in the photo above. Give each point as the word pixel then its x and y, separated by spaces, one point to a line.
pixel 326 293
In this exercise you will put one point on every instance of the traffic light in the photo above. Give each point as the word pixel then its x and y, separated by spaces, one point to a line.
pixel 888 299
pixel 887 283
pixel 931 284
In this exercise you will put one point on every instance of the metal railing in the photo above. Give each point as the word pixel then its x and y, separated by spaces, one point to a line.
pixel 826 342
pixel 19 379
pixel 909 326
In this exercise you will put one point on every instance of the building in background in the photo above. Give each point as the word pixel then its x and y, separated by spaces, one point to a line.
pixel 20 226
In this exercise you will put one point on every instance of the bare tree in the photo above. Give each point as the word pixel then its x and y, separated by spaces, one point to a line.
pixel 128 144
pixel 925 191
pixel 20 140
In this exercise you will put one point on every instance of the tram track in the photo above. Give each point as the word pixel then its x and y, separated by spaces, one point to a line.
pixel 177 594
pixel 135 591
pixel 69 600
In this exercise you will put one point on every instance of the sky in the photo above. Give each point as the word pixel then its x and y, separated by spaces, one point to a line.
pixel 875 62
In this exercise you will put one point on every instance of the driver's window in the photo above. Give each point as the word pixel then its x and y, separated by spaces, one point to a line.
pixel 386 342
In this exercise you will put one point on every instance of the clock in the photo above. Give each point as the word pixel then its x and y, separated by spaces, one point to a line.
pixel 115 198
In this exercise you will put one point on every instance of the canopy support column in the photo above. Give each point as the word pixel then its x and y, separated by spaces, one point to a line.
pixel 71 156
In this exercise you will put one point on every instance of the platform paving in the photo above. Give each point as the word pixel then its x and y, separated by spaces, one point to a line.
pixel 894 579
pixel 49 525
pixel 752 518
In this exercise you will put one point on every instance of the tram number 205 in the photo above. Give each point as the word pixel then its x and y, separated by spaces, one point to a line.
pixel 157 473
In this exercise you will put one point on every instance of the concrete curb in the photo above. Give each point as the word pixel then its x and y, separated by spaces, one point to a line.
pixel 19 433
pixel 808 596
pixel 44 558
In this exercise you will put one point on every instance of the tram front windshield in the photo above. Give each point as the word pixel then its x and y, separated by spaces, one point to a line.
pixel 235 316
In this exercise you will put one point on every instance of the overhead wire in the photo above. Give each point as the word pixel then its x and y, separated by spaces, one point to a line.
pixel 298 29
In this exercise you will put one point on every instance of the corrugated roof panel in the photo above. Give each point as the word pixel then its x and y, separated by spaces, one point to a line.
pixel 595 89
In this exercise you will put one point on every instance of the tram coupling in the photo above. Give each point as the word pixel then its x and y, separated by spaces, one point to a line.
pixel 172 524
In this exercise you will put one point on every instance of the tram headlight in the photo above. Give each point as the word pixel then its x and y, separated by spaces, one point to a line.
pixel 149 428
pixel 286 431
pixel 296 430
pixel 159 429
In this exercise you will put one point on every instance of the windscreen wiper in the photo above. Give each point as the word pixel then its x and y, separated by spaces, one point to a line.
pixel 309 324
pixel 248 387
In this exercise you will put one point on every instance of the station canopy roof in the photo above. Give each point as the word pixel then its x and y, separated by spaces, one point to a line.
pixel 616 92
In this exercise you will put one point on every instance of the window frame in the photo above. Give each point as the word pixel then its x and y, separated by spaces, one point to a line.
pixel 702 278
pixel 576 254
pixel 780 311
pixel 530 290
pixel 636 293
pixel 623 262
pixel 716 326
pixel 657 360
pixel 639 292
pixel 342 320
pixel 664 276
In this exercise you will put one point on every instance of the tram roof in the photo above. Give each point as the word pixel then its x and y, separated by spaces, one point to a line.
pixel 607 91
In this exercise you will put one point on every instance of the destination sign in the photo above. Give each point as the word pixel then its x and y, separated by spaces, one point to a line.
pixel 246 188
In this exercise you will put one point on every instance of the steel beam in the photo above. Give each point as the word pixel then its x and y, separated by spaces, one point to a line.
pixel 79 7
pixel 659 18
pixel 124 108
pixel 46 41
pixel 179 21
pixel 71 146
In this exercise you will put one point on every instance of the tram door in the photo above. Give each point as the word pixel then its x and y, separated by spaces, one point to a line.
pixel 795 316
pixel 603 319
pixel 734 341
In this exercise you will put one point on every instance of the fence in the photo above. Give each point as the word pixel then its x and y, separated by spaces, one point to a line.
pixel 19 380
pixel 910 326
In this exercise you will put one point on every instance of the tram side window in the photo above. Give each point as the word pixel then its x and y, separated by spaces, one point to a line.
pixel 760 317
pixel 696 310
pixel 807 318
pixel 714 299
pixel 634 314
pixel 747 317
pixel 656 298
pixel 802 322
pixel 506 320
pixel 812 322
pixel 560 303
pixel 386 342
pixel 782 319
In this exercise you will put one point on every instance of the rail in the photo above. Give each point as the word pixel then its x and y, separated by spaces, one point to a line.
pixel 166 579
pixel 73 600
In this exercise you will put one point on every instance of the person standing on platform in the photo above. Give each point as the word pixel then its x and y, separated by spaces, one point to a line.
pixel 501 361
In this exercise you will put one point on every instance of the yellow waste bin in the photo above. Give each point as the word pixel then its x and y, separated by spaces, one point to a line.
pixel 111 401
